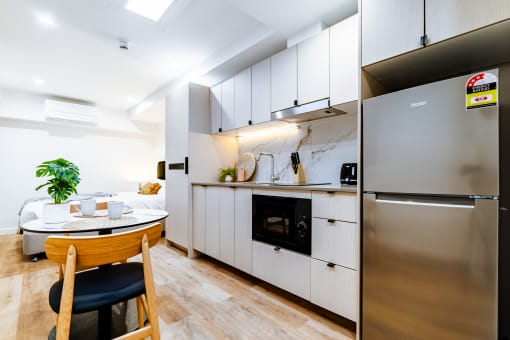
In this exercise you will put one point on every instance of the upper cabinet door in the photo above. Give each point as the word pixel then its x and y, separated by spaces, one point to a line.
pixel 448 18
pixel 344 61
pixel 243 98
pixel 284 79
pixel 261 92
pixel 227 105
pixel 215 98
pixel 177 124
pixel 390 28
pixel 313 68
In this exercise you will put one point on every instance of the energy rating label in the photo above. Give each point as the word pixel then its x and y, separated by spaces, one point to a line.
pixel 481 90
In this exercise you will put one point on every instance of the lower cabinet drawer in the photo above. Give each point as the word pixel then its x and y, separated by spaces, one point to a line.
pixel 336 242
pixel 335 288
pixel 282 268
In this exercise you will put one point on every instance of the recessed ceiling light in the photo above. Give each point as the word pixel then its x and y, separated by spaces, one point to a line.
pixel 38 81
pixel 152 9
pixel 46 19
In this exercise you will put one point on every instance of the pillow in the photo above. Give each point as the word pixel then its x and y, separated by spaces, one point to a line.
pixel 150 189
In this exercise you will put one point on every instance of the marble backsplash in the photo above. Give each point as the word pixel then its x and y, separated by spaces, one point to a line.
pixel 323 146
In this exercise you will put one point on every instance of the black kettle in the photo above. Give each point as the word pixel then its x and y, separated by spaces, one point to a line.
pixel 349 173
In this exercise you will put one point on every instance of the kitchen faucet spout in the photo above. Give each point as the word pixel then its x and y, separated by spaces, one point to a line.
pixel 273 177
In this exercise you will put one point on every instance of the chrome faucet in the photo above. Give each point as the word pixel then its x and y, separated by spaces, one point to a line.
pixel 273 177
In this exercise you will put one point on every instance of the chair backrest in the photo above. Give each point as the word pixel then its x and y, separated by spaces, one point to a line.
pixel 99 206
pixel 94 251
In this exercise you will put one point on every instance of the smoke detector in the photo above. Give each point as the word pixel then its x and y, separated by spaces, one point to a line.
pixel 123 45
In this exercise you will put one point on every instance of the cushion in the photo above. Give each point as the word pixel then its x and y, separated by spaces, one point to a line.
pixel 101 287
pixel 150 189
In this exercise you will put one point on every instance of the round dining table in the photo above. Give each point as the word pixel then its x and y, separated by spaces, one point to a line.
pixel 99 222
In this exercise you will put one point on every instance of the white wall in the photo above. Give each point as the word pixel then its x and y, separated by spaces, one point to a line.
pixel 114 156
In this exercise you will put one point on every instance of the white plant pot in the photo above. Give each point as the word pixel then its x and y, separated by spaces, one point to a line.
pixel 56 213
pixel 228 178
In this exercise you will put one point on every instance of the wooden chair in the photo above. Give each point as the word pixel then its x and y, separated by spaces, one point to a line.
pixel 80 292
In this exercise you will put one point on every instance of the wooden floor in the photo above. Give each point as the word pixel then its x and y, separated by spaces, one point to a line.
pixel 197 299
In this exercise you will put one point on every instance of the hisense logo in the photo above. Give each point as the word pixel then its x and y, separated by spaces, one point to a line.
pixel 416 104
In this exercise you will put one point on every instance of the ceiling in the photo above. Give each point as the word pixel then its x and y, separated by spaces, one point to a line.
pixel 204 40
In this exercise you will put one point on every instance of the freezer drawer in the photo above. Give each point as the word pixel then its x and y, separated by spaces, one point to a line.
pixel 423 140
pixel 429 270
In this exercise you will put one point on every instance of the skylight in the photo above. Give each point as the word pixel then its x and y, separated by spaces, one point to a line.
pixel 151 9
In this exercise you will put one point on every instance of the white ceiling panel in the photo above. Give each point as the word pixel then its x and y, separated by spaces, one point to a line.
pixel 79 55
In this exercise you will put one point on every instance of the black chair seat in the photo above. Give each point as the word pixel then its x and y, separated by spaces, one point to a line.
pixel 101 287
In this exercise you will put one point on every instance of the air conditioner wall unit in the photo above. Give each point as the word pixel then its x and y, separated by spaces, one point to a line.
pixel 57 110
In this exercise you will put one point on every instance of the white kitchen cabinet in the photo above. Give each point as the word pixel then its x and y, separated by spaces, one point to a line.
pixel 283 268
pixel 215 108
pixel 176 151
pixel 390 28
pixel 226 225
pixel 186 110
pixel 335 242
pixel 337 205
pixel 344 61
pixel 242 94
pixel 212 225
pixel 219 223
pixel 393 27
pixel 335 288
pixel 261 92
pixel 313 68
pixel 447 18
pixel 284 79
pixel 176 227
pixel 243 242
pixel 198 216
pixel 228 105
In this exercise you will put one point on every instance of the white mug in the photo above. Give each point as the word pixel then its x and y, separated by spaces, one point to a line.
pixel 88 206
pixel 115 209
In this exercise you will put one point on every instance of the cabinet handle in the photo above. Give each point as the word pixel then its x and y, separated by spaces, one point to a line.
pixel 330 192
pixel 249 122
pixel 331 220
pixel 277 248
pixel 330 265
pixel 424 40
pixel 295 101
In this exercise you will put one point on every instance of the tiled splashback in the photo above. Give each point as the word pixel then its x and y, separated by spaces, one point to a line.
pixel 323 146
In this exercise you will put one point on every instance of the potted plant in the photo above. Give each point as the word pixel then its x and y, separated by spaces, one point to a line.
pixel 61 184
pixel 227 174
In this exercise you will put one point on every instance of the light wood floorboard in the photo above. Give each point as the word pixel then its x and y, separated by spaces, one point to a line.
pixel 197 299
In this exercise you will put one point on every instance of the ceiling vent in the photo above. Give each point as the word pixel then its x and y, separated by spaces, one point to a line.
pixel 56 110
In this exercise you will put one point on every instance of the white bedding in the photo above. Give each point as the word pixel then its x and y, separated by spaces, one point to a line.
pixel 137 201
pixel 32 209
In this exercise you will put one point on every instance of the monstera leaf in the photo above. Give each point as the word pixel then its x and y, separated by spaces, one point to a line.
pixel 63 178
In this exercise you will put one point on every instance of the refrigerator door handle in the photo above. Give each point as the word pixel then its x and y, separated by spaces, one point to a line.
pixel 433 201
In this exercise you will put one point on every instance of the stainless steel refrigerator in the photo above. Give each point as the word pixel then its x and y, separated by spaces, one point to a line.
pixel 435 243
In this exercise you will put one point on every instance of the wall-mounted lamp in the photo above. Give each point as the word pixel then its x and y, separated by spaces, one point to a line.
pixel 268 132
pixel 161 170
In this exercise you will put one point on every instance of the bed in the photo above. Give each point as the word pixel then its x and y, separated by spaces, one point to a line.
pixel 33 243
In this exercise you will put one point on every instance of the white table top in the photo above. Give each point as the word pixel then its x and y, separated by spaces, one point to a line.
pixel 102 224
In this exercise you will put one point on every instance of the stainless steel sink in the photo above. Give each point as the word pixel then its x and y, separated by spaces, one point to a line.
pixel 288 184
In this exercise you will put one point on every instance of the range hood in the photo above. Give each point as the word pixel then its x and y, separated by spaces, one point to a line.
pixel 306 112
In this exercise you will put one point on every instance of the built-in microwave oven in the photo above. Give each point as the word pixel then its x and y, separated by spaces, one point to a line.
pixel 283 221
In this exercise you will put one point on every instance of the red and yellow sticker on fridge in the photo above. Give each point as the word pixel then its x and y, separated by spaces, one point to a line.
pixel 481 90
